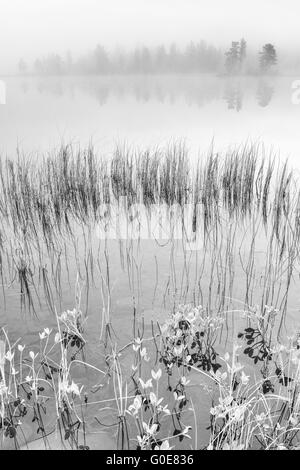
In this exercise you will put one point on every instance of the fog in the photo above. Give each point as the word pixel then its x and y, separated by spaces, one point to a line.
pixel 34 28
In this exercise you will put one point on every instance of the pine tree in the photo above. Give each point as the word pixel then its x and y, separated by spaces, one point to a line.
pixel 232 62
pixel 243 51
pixel 267 57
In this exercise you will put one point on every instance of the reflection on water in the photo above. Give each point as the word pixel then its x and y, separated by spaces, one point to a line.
pixel 149 110
pixel 147 278
pixel 233 95
pixel 194 90
pixel 265 93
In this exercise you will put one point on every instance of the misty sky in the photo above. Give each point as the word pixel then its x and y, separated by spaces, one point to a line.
pixel 31 28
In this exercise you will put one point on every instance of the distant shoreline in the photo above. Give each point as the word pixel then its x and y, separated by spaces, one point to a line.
pixel 128 75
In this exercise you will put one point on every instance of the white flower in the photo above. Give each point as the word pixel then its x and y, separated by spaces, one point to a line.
pixel 147 384
pixel 178 397
pixel 156 375
pixel 153 399
pixel 165 410
pixel 21 348
pixel 186 430
pixel 214 410
pixel 136 406
pixel 34 386
pixel 13 371
pixel 164 446
pixel 150 430
pixel 137 344
pixel 184 381
pixel 9 356
pixel 219 376
pixel 45 333
pixel 32 355
pixel 57 338
pixel 244 378
pixel 73 388
pixel 144 354
pixel 239 412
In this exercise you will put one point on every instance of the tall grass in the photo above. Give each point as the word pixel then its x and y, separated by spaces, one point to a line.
pixel 45 202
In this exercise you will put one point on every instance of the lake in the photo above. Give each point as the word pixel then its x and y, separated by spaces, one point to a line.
pixel 148 277
pixel 150 110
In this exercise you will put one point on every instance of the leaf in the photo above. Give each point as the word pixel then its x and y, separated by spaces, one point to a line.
pixel 12 432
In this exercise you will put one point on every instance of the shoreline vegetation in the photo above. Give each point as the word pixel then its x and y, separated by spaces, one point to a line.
pixel 144 394
pixel 195 57
pixel 238 200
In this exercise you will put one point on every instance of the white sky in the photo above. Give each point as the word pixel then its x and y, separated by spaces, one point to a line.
pixel 30 28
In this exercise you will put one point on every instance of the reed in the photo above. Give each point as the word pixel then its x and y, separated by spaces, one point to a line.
pixel 46 202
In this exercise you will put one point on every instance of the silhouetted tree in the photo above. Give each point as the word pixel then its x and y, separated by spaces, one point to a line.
pixel 232 62
pixel 242 51
pixel 267 57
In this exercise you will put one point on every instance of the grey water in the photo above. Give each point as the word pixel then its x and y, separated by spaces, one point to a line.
pixel 141 111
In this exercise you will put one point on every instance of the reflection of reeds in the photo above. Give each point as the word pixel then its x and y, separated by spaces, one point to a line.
pixel 43 205
pixel 50 194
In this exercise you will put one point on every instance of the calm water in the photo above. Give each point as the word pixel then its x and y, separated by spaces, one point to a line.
pixel 150 110
pixel 40 113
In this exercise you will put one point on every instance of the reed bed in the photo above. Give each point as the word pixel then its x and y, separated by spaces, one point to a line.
pixel 234 220
pixel 45 202
pixel 50 192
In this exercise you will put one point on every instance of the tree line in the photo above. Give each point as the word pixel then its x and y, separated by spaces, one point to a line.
pixel 194 58
pixel 235 58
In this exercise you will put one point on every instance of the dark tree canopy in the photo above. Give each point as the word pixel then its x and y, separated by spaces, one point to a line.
pixel 267 57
